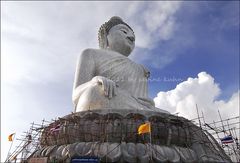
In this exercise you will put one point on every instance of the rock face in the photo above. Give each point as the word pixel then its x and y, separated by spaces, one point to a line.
pixel 112 137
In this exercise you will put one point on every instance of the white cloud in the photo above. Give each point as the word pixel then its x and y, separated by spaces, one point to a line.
pixel 40 40
pixel 202 91
pixel 157 22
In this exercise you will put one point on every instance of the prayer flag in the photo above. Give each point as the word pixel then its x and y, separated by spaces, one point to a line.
pixel 144 128
pixel 227 139
pixel 10 137
pixel 55 130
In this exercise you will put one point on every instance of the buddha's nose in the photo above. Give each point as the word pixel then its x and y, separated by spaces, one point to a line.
pixel 131 38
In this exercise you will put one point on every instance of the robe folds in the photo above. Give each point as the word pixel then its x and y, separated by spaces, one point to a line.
pixel 130 78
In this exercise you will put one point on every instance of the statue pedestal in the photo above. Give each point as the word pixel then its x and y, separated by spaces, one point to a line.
pixel 111 135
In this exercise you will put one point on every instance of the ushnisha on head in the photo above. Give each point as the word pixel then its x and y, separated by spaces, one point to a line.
pixel 116 35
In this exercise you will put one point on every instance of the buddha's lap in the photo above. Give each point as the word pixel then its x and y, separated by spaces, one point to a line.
pixel 94 98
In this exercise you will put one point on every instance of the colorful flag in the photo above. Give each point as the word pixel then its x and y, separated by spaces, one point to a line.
pixel 227 139
pixel 55 129
pixel 144 128
pixel 10 137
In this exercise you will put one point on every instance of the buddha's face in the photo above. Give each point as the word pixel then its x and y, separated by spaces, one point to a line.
pixel 121 39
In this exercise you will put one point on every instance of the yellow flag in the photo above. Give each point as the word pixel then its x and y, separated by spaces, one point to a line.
pixel 10 137
pixel 144 128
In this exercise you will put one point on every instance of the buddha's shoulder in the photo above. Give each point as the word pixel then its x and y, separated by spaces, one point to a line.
pixel 99 53
pixel 93 52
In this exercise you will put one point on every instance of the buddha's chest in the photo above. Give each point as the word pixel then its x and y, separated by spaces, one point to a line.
pixel 120 69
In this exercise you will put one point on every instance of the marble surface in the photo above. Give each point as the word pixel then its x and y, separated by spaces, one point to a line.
pixel 107 78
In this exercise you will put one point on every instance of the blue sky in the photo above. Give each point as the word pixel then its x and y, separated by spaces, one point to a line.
pixel 191 48
pixel 214 30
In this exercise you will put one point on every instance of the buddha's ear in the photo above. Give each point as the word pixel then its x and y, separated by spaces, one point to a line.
pixel 105 40
pixel 102 38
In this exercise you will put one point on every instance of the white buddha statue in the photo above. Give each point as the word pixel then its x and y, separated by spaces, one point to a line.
pixel 106 78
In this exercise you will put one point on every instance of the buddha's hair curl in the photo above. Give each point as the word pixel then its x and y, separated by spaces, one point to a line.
pixel 105 28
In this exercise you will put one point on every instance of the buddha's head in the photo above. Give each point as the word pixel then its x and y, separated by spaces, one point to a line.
pixel 116 35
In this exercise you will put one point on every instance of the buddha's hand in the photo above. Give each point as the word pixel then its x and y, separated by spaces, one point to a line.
pixel 109 86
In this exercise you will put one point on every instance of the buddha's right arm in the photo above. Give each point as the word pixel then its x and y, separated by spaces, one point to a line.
pixel 85 71
pixel 86 77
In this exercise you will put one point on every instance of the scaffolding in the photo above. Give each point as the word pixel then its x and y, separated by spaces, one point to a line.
pixel 110 129
pixel 27 144
pixel 228 128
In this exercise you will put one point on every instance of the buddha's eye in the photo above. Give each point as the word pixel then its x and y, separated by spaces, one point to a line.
pixel 124 31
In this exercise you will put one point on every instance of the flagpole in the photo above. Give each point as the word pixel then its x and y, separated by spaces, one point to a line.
pixel 10 147
pixel 146 128
pixel 150 134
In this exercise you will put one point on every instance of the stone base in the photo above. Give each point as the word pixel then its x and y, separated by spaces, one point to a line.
pixel 112 137
pixel 119 152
